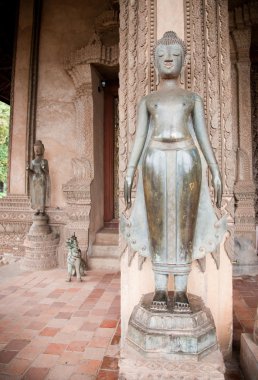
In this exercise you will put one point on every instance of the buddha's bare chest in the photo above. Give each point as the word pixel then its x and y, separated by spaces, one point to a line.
pixel 170 105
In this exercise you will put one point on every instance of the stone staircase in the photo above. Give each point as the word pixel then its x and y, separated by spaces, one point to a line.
pixel 105 255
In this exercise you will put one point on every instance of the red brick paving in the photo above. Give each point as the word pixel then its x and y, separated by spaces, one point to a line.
pixel 7 356
pixel 17 344
pixel 77 346
pixel 75 325
pixel 50 329
pixel 245 301
pixel 245 304
pixel 36 373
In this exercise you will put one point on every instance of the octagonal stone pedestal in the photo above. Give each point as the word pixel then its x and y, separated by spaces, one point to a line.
pixel 40 245
pixel 172 333
pixel 170 346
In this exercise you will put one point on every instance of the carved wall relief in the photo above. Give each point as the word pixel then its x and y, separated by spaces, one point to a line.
pixel 77 193
pixel 136 76
pixel 242 18
pixel 208 74
pixel 244 187
pixel 16 219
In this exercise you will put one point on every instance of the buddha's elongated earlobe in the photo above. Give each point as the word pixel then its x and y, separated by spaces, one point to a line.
pixel 182 75
pixel 157 76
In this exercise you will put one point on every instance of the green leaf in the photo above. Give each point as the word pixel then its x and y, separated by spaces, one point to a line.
pixel 4 139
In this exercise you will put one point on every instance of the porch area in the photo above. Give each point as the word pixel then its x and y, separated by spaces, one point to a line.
pixel 51 329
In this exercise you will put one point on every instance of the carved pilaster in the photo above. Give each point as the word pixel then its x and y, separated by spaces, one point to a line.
pixel 244 187
pixel 234 89
pixel 77 193
pixel 136 75
pixel 208 74
pixel 77 190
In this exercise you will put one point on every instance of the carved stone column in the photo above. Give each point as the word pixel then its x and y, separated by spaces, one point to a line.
pixel 77 190
pixel 244 188
pixel 77 193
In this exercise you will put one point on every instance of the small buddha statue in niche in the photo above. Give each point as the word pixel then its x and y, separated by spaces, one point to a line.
pixel 172 220
pixel 39 179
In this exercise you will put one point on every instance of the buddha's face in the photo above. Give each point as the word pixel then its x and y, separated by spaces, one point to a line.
pixel 38 150
pixel 169 60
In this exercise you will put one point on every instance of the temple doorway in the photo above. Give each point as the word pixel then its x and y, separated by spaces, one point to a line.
pixel 104 250
pixel 111 131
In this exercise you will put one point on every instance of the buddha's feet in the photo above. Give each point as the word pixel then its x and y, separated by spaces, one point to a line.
pixel 181 303
pixel 160 301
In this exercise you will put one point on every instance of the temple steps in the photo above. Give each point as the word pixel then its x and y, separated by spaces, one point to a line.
pixel 105 255
pixel 107 236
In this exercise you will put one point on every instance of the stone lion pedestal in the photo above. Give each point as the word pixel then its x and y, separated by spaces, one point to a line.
pixel 171 345
pixel 40 245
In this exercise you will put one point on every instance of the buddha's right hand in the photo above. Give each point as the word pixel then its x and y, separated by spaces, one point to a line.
pixel 128 191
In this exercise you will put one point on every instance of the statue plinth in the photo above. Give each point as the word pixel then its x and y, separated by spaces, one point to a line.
pixel 40 245
pixel 40 226
pixel 171 345
pixel 134 366
pixel 172 334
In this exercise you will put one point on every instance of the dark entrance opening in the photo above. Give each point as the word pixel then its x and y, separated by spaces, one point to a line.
pixel 111 126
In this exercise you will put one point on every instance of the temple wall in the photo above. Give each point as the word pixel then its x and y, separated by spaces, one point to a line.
pixel 170 16
pixel 56 111
pixel 56 118
pixel 214 286
pixel 67 121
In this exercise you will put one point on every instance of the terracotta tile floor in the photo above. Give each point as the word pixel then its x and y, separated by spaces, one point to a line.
pixel 51 329
pixel 245 301
pixel 245 304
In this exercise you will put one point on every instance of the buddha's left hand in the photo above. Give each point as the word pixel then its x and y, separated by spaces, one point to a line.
pixel 217 186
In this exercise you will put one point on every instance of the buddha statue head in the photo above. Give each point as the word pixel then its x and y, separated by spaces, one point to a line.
pixel 39 148
pixel 169 56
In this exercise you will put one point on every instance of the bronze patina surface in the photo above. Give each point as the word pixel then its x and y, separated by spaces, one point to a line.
pixel 169 154
pixel 39 179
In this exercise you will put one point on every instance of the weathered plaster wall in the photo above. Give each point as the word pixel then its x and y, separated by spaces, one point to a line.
pixel 66 27
pixel 18 134
pixel 170 16
pixel 64 119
